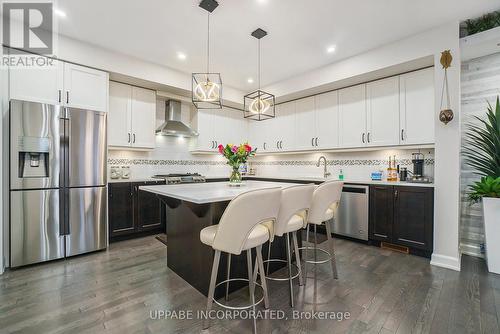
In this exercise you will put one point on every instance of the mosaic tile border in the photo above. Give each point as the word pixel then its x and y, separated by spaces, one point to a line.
pixel 346 162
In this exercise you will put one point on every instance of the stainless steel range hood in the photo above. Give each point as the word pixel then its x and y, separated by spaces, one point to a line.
pixel 173 126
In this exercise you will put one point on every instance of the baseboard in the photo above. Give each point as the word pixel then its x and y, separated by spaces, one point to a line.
pixel 445 261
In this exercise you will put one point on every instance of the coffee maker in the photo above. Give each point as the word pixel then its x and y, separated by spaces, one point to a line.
pixel 417 176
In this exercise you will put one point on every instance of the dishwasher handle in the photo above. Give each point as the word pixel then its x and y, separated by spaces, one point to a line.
pixel 355 189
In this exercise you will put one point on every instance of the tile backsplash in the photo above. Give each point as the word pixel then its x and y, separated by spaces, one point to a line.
pixel 172 156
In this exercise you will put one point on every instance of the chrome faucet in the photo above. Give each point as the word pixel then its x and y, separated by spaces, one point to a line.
pixel 325 173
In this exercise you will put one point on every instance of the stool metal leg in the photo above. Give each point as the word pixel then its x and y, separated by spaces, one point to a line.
pixel 332 249
pixel 268 257
pixel 263 279
pixel 289 264
pixel 315 245
pixel 306 256
pixel 228 275
pixel 297 257
pixel 211 289
pixel 251 288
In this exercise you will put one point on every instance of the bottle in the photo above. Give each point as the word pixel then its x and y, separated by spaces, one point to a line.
pixel 392 174
pixel 341 175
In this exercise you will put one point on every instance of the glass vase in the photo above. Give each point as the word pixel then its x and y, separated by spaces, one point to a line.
pixel 235 177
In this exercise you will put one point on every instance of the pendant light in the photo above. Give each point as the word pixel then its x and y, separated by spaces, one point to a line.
pixel 259 105
pixel 206 88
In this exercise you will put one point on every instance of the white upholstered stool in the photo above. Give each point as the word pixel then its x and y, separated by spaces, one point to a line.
pixel 292 216
pixel 325 202
pixel 240 229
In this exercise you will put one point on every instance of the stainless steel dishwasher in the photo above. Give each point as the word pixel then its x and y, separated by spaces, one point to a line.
pixel 353 212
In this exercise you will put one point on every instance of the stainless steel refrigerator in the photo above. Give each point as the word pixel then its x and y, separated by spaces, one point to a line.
pixel 58 192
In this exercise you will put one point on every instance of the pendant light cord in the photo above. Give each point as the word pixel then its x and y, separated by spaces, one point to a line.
pixel 208 44
pixel 259 67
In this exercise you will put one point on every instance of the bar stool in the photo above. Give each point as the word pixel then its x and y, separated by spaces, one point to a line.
pixel 326 199
pixel 240 229
pixel 292 216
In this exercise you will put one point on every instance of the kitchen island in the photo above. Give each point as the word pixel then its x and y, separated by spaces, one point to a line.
pixel 192 207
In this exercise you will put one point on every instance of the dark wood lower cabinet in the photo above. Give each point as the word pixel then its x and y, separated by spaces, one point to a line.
pixel 134 213
pixel 403 215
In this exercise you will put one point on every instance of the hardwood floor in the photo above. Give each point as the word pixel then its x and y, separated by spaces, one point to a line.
pixel 115 290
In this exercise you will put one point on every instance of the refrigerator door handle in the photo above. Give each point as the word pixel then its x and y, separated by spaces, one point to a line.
pixel 62 213
pixel 66 211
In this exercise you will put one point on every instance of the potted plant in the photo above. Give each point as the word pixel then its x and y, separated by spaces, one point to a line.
pixel 482 153
pixel 236 155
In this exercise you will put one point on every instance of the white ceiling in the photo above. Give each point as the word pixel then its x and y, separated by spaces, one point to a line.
pixel 299 31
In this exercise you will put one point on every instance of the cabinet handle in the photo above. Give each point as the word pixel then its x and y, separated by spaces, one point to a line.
pixel 59 91
pixel 264 146
pixel 67 96
pixel 134 138
pixel 402 134
pixel 363 138
pixel 316 141
pixel 312 141
pixel 216 144
pixel 396 195
pixel 368 137
pixel 129 137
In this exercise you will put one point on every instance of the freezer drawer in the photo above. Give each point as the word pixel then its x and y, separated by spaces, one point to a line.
pixel 352 220
pixel 35 227
pixel 87 228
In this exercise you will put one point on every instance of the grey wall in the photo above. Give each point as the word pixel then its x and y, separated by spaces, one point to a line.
pixel 480 82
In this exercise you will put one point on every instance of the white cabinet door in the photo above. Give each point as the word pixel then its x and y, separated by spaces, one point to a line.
pixel 205 120
pixel 143 118
pixel 257 135
pixel 327 120
pixel 305 125
pixel 382 110
pixel 417 107
pixel 44 85
pixel 284 127
pixel 352 117
pixel 120 114
pixel 85 88
pixel 232 127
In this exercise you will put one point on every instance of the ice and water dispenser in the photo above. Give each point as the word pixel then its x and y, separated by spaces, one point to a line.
pixel 33 157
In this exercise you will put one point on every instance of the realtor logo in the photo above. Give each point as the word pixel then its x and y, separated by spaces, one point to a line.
pixel 28 26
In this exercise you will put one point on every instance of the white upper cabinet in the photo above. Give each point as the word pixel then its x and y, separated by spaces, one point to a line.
pixel 327 120
pixel 283 127
pixel 44 85
pixel 352 117
pixel 220 127
pixel 132 117
pixel 206 132
pixel 417 107
pixel 305 125
pixel 143 118
pixel 63 84
pixel 85 88
pixel 120 114
pixel 382 110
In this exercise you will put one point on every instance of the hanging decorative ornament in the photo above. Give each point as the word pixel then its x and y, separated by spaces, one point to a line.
pixel 259 105
pixel 206 88
pixel 446 114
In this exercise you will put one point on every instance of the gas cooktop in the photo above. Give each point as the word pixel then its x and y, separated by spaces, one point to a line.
pixel 181 178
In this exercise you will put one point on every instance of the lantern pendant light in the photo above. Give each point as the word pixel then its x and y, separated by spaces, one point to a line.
pixel 259 105
pixel 206 88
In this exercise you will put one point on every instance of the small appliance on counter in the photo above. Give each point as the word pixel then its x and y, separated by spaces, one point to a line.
pixel 403 174
pixel 417 176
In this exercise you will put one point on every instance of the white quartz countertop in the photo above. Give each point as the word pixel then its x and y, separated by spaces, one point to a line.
pixel 201 193
pixel 321 179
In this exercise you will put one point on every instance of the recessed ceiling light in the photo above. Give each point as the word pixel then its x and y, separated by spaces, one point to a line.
pixel 262 1
pixel 250 80
pixel 331 49
pixel 59 12
pixel 181 55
